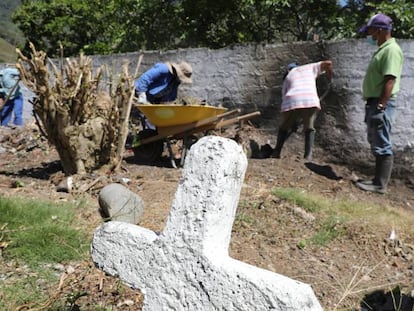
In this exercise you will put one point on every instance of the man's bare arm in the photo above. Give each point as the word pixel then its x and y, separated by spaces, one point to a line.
pixel 327 67
pixel 389 82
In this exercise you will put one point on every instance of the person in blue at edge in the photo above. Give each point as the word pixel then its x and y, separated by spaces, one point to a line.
pixel 160 83
pixel 11 98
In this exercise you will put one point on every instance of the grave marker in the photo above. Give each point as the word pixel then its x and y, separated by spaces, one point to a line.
pixel 187 266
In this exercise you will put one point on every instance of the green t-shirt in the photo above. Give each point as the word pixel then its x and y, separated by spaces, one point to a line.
pixel 387 60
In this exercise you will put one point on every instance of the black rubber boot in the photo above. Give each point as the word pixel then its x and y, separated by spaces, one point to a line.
pixel 375 180
pixel 383 169
pixel 384 173
pixel 309 141
pixel 282 135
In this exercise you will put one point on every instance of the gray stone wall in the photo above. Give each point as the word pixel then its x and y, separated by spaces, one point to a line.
pixel 243 76
pixel 250 77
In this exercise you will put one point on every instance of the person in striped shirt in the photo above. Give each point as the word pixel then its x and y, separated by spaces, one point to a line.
pixel 300 101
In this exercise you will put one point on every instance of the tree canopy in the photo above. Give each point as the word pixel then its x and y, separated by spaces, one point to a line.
pixel 115 26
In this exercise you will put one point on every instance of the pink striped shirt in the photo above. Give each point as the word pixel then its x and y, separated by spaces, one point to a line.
pixel 299 88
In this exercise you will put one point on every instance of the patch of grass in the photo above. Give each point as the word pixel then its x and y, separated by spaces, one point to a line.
pixel 35 235
pixel 299 198
pixel 329 230
pixel 332 215
pixel 38 232
pixel 243 218
pixel 24 290
pixel 242 215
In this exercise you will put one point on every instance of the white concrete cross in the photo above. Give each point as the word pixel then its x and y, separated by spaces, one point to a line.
pixel 187 266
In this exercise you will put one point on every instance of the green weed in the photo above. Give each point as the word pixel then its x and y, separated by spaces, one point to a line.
pixel 329 230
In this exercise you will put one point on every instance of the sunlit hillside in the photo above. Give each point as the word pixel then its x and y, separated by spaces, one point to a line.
pixel 10 35
pixel 7 52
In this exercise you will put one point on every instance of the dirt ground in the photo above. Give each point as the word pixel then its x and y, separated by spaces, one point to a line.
pixel 359 265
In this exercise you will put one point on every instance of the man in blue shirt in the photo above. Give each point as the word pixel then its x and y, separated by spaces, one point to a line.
pixel 160 83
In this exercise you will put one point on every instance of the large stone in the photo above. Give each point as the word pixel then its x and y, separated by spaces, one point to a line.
pixel 187 266
pixel 118 203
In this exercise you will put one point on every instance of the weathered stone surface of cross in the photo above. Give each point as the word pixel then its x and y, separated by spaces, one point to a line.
pixel 187 266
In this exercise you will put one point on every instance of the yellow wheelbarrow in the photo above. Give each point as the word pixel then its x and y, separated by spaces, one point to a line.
pixel 178 122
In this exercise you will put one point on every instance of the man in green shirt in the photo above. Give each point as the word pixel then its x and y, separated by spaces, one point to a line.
pixel 380 87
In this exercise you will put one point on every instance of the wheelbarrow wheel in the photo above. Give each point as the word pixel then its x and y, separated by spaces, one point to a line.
pixel 150 152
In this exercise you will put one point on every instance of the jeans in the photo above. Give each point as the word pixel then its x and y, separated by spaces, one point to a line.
pixel 379 131
pixel 12 106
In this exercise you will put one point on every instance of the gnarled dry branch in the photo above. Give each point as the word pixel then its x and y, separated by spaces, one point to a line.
pixel 77 111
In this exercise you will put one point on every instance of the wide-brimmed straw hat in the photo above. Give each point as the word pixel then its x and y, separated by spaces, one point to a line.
pixel 184 72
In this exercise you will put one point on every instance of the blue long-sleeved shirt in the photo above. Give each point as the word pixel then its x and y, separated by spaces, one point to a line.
pixel 8 79
pixel 159 84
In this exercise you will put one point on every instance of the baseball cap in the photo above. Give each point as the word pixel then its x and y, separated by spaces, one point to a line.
pixel 378 21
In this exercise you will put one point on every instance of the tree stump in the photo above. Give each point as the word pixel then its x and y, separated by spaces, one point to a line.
pixel 78 110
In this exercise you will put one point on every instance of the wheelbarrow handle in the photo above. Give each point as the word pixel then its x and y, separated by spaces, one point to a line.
pixel 237 119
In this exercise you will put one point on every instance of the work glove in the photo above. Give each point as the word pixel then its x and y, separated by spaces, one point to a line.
pixel 142 98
